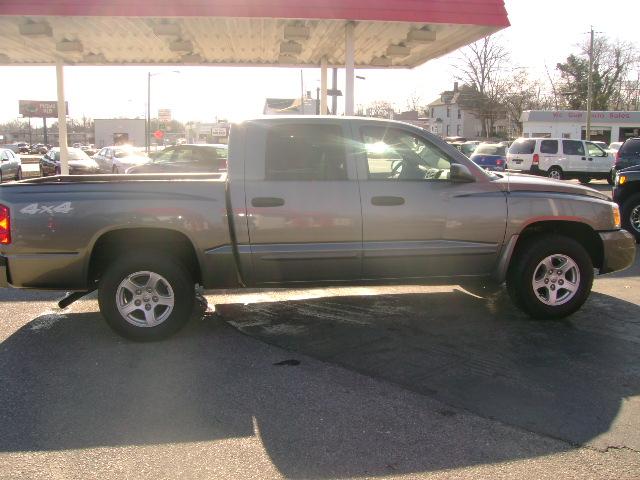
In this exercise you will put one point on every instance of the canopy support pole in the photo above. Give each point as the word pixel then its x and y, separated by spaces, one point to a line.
pixel 323 86
pixel 349 68
pixel 62 119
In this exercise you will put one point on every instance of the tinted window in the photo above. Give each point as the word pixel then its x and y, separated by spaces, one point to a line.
pixel 549 146
pixel 522 147
pixel 164 156
pixel 572 147
pixel 490 150
pixel 305 152
pixel 630 148
pixel 394 154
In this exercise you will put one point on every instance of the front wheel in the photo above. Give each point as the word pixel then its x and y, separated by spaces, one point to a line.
pixel 585 180
pixel 631 215
pixel 19 175
pixel 146 296
pixel 555 173
pixel 611 179
pixel 550 276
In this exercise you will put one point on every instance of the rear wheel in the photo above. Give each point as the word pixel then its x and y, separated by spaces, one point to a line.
pixel 550 276
pixel 555 173
pixel 146 296
pixel 584 180
pixel 631 215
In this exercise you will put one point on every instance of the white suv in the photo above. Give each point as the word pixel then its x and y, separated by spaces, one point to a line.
pixel 560 158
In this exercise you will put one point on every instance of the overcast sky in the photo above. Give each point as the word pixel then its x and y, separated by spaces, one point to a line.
pixel 542 32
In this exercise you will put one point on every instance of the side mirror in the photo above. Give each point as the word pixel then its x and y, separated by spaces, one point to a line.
pixel 460 174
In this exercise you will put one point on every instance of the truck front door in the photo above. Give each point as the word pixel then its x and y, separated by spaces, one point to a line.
pixel 302 202
pixel 416 221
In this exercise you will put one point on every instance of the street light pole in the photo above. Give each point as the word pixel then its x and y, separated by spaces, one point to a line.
pixel 149 75
pixel 148 123
pixel 589 88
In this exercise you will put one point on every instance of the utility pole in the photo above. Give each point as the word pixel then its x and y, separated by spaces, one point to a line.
pixel 589 87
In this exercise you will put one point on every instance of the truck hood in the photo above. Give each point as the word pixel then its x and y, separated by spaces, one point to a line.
pixel 517 182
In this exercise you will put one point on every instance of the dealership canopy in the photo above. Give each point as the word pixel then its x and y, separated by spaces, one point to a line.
pixel 308 33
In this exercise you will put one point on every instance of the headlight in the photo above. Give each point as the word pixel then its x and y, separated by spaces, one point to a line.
pixel 615 210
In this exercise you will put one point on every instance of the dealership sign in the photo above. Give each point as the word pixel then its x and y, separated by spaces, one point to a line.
pixel 164 115
pixel 580 116
pixel 40 109
pixel 219 132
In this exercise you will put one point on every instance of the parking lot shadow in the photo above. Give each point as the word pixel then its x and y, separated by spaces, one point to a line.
pixel 565 379
pixel 69 383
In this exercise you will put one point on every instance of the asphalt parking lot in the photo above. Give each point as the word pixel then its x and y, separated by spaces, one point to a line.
pixel 414 381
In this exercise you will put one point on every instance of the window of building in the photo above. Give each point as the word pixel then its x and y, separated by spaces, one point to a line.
pixel 305 152
pixel 459 113
pixel 448 112
pixel 395 154
pixel 458 130
pixel 447 130
pixel 549 146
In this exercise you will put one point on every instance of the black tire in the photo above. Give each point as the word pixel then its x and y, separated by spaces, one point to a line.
pixel 611 178
pixel 632 203
pixel 584 180
pixel 553 171
pixel 19 175
pixel 523 268
pixel 176 275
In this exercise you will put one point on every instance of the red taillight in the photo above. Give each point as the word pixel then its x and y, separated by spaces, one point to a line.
pixel 536 159
pixel 5 226
pixel 499 161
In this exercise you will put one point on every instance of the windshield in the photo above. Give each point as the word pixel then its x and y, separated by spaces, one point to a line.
pixel 490 150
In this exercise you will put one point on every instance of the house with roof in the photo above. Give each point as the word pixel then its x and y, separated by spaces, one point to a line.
pixel 448 117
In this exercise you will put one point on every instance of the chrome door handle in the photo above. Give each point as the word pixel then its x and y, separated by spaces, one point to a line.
pixel 267 202
pixel 387 201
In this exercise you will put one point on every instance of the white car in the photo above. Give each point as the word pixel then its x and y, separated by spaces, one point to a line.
pixel 560 158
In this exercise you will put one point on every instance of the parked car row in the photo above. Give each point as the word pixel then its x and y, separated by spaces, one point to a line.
pixel 126 159
pixel 10 165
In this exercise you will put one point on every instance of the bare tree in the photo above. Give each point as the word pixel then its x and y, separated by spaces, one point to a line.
pixel 380 109
pixel 415 103
pixel 481 67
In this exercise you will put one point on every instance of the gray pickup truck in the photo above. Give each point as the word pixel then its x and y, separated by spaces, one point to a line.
pixel 308 201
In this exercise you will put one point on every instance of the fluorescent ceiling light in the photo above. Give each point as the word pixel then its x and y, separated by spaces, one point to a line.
pixel 290 48
pixel 287 59
pixel 421 36
pixel 191 58
pixel 296 32
pixel 181 46
pixel 94 58
pixel 166 29
pixel 398 51
pixel 36 29
pixel 69 46
pixel 381 61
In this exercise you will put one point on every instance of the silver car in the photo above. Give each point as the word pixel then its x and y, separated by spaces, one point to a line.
pixel 10 165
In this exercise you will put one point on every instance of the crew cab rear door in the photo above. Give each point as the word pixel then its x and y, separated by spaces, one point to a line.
pixel 416 221
pixel 302 202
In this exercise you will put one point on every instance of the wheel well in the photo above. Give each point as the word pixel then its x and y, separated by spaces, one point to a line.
pixel 581 232
pixel 629 192
pixel 116 242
